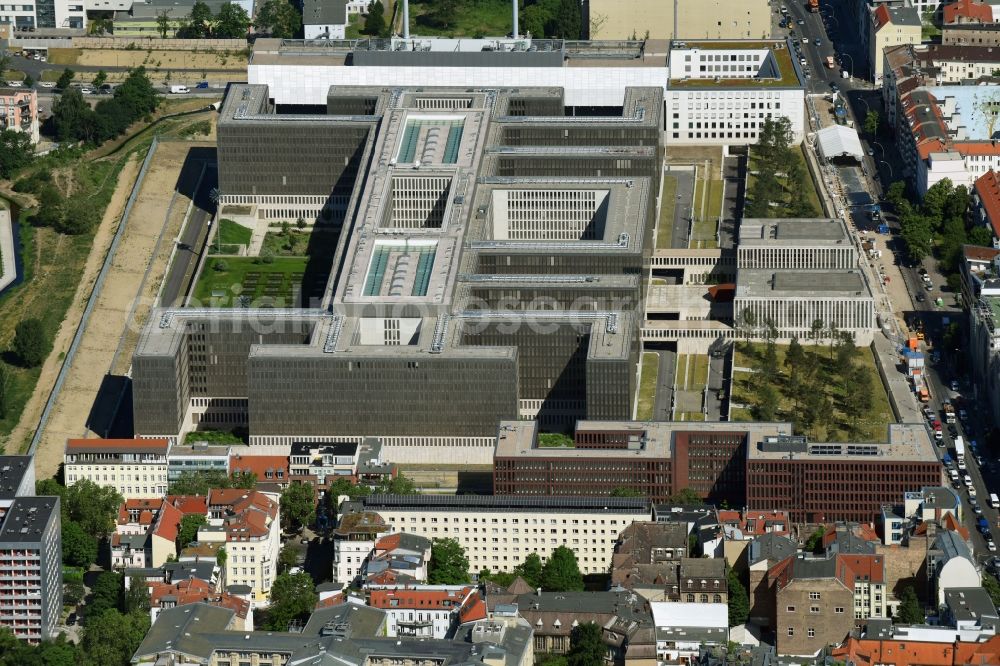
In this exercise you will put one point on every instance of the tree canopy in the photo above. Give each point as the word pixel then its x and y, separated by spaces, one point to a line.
pixel 74 120
pixel 199 483
pixel 112 637
pixel 293 597
pixel 375 24
pixel 561 572
pixel 448 565
pixel 910 611
pixel 586 646
pixel 298 506
pixel 79 548
pixel 279 19
pixel 31 343
pixel 16 152
pixel 232 22
pixel 188 529
pixel 739 599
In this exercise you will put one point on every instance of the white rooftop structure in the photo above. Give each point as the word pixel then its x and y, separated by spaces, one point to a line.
pixel 691 615
pixel 839 141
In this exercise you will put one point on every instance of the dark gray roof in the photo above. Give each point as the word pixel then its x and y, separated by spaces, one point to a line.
pixel 27 518
pixel 12 472
pixel 364 620
pixel 771 547
pixel 330 448
pixel 848 543
pixel 324 12
pixel 904 16
pixel 971 604
pixel 814 567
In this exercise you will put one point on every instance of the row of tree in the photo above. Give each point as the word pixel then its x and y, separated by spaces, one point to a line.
pixel 560 573
pixel 558 19
pixel 74 120
pixel 780 178
pixel 88 513
pixel 277 18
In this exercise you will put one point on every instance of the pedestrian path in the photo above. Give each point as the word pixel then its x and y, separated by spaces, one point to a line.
pixel 8 265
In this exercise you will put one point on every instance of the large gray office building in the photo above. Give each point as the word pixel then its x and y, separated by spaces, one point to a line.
pixel 489 268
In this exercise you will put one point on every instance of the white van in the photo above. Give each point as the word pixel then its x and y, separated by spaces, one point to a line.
pixel 994 501
pixel 179 90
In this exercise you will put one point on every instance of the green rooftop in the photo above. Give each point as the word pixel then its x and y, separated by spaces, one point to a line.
pixel 781 57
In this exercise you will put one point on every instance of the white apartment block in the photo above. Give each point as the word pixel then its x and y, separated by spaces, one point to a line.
pixel 422 611
pixel 498 532
pixel 248 522
pixel 30 15
pixel 136 468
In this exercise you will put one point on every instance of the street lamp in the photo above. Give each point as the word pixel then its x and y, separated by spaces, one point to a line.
pixel 880 146
pixel 888 166
pixel 851 70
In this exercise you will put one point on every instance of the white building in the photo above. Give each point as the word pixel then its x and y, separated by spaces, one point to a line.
pixel 353 541
pixel 703 105
pixel 248 522
pixel 324 19
pixel 26 16
pixel 951 564
pixel 708 103
pixel 498 532
pixel 683 628
pixel 423 611
pixel 136 468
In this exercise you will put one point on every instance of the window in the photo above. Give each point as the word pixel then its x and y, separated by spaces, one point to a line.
pixel 791 631
pixel 814 596
pixel 790 609
pixel 839 610
pixel 814 609
pixel 811 632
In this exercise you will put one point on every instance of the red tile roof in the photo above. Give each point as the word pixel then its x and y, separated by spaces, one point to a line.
pixel 248 512
pixel 987 187
pixel 331 601
pixel 168 522
pixel 390 542
pixel 189 503
pixel 868 568
pixel 755 523
pixel 419 599
pixel 870 652
pixel 882 17
pixel 979 253
pixel 123 444
pixel 260 465
pixel 195 590
pixel 967 11
pixel 951 523
pixel 474 609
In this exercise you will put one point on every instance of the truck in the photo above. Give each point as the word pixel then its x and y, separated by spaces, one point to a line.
pixel 920 389
pixel 830 63
pixel 178 90
pixel 960 449
pixel 814 6
pixel 949 412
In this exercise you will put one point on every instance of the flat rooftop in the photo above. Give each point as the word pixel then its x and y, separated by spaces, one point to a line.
pixel 507 503
pixel 908 442
pixel 25 520
pixel 793 232
pixel 13 469
pixel 777 69
pixel 768 283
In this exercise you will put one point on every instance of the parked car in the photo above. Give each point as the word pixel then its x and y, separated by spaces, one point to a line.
pixel 86 91
pixel 992 546
pixel 202 86
pixel 954 385
pixel 47 84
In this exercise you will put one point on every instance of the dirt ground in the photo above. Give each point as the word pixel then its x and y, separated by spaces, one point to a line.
pixel 109 326
pixel 48 458
pixel 156 59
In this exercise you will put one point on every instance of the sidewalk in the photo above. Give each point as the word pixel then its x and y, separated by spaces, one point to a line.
pixel 8 265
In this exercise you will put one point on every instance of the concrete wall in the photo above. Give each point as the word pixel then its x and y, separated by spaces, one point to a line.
pixel 158 44
pixel 692 19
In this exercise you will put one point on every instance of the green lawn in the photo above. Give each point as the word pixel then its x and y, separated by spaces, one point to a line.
pixel 668 197
pixel 708 193
pixel 555 440
pixel 275 283
pixel 811 193
pixel 50 75
pixel 354 26
pixel 297 243
pixel 12 75
pixel 472 18
pixel 874 425
pixel 647 385
pixel 680 372
pixel 230 237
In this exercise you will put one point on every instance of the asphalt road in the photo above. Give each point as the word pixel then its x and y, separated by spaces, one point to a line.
pixel 191 244
pixel 682 207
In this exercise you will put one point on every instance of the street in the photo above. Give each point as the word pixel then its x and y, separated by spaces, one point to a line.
pixel 908 296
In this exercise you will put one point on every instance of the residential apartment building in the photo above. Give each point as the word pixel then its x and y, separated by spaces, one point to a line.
pixel 19 110
pixel 971 34
pixel 321 463
pixel 678 19
pixel 818 483
pixel 813 605
pixel 498 532
pixel 951 564
pixel 354 539
pixel 29 16
pixel 145 535
pixel 763 554
pixel 891 26
pixel 981 289
pixel 683 630
pixel 322 19
pixel 136 468
pixel 164 595
pixel 397 558
pixel 197 458
pixel 986 203
pixel 427 611
pixel 247 522
pixel 925 645
pixel 965 12
pixel 31 583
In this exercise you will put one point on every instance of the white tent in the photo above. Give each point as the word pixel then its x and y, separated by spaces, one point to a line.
pixel 839 141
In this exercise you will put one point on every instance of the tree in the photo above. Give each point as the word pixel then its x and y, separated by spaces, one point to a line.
pixel 398 485
pixel 685 496
pixel 626 491
pixel 163 23
pixel 566 22
pixel 766 407
pixel 980 235
pixel 72 117
pixel 100 79
pixel 293 597
pixel 442 14
pixel 448 565
pixel 79 548
pixel 375 20
pixel 137 596
pixel 65 79
pixel 233 22
pixel 278 18
pixel 561 572
pixel 15 152
pixel 300 224
pixel 31 344
pixel 857 397
pixel 739 599
pixel 992 588
pixel 815 541
pixel 910 611
pixel 73 592
pixel 199 21
pixel 112 637
pixel 872 121
pixel 136 94
pixel 896 194
pixel 94 507
pixel 586 646
pixel 531 570
pixel 287 558
pixel 106 594
pixel 298 506
pixel 188 530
